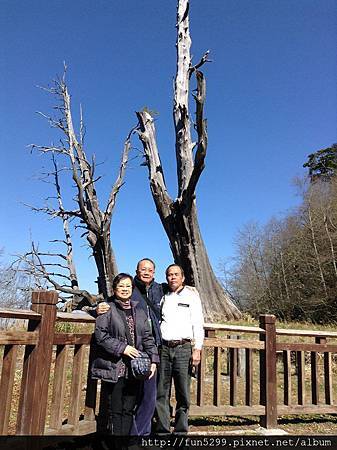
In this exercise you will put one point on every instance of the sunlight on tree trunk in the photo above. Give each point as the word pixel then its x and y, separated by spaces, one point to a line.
pixel 179 217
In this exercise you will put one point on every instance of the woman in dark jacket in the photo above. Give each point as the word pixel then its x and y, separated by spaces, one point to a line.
pixel 113 352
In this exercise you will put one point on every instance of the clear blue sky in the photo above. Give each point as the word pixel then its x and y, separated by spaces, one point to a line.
pixel 271 100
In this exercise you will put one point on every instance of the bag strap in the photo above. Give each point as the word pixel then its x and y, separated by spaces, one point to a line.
pixel 162 305
pixel 149 304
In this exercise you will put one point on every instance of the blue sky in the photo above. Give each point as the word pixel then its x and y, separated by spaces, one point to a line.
pixel 271 100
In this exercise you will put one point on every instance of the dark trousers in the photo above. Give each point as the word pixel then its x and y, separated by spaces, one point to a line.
pixel 174 364
pixel 146 407
pixel 117 405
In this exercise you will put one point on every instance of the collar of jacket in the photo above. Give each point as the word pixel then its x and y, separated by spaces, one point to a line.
pixel 140 285
pixel 133 303
pixel 178 290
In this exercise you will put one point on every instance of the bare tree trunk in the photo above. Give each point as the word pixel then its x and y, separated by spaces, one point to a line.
pixel 284 277
pixel 181 225
pixel 179 217
pixel 189 251
pixel 331 244
pixel 106 265
pixel 313 238
pixel 265 277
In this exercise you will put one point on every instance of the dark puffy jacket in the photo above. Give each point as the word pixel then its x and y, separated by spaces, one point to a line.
pixel 111 339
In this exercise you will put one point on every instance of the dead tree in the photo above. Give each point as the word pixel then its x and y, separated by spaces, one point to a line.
pixel 50 269
pixel 179 216
pixel 95 221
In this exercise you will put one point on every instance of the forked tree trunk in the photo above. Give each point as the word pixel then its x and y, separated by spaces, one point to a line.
pixel 179 217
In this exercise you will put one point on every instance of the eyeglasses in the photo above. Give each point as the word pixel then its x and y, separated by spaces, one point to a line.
pixel 128 286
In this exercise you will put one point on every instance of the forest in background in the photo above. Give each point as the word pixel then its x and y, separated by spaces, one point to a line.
pixel 288 267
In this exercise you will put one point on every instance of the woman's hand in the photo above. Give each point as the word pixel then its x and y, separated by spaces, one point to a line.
pixel 130 351
pixel 153 370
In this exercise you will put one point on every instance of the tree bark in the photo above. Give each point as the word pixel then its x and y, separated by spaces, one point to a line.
pixel 105 263
pixel 179 217
pixel 189 251
pixel 333 256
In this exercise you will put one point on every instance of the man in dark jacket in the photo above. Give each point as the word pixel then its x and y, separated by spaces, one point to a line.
pixel 148 294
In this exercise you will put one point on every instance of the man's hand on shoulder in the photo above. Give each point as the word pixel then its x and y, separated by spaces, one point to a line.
pixel 102 308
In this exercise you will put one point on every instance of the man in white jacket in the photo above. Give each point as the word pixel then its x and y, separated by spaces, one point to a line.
pixel 182 338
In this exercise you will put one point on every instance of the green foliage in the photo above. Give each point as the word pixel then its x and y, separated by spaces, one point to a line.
pixel 322 164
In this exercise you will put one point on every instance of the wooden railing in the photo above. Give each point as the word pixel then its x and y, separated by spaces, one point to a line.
pixel 245 371
pixel 41 391
pixel 276 377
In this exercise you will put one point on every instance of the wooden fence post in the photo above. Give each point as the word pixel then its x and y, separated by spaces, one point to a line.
pixel 36 366
pixel 268 381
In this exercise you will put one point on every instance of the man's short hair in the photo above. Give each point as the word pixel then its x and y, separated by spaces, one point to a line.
pixel 146 259
pixel 175 265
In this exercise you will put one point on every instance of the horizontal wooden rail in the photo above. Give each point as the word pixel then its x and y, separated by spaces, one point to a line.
pixel 9 313
pixel 234 328
pixel 284 410
pixel 308 333
pixel 233 343
pixel 78 317
pixel 71 338
pixel 306 347
pixel 19 337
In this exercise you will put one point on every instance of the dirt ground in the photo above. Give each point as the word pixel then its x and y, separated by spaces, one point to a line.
pixel 299 425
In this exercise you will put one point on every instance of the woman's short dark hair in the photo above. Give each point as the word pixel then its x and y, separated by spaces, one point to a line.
pixel 121 276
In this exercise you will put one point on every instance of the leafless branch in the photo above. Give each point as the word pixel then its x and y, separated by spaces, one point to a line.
pixel 119 182
pixel 202 61
pixel 201 126
pixel 31 263
pixel 147 135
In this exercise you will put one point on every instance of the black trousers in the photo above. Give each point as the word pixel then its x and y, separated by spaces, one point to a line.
pixel 117 405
